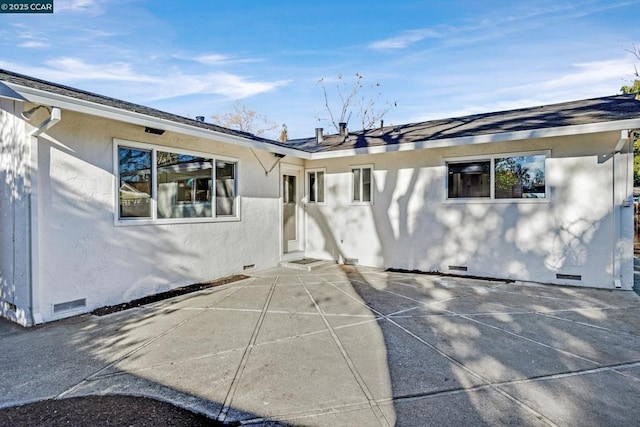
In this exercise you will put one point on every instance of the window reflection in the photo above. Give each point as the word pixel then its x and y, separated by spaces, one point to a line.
pixel 520 177
pixel 134 183
pixel 184 185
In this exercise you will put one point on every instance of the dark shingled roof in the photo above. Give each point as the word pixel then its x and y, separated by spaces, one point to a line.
pixel 597 110
pixel 22 80
pixel 588 111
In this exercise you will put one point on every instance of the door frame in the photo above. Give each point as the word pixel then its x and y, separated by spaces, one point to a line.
pixel 298 172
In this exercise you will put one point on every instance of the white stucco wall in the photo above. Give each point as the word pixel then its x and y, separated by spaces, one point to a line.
pixel 411 226
pixel 82 254
pixel 78 251
pixel 14 214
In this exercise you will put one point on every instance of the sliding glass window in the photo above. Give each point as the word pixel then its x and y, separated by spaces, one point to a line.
pixel 159 184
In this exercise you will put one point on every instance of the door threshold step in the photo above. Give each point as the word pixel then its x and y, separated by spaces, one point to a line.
pixel 306 264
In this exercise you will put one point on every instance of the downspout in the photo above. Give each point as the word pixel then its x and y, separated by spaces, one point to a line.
pixel 55 115
pixel 616 273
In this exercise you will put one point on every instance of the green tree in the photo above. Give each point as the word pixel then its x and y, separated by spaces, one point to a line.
pixel 635 88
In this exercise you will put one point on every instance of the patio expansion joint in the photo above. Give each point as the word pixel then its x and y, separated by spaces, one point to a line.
pixel 546 314
pixel 568 353
pixel 612 368
pixel 487 381
pixel 245 357
pixel 97 375
pixel 380 416
pixel 422 303
pixel 296 416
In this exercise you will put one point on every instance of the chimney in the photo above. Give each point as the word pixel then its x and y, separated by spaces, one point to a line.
pixel 343 128
pixel 200 119
pixel 381 123
pixel 318 135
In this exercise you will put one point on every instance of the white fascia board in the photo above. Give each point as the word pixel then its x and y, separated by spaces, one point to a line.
pixel 87 107
pixel 7 92
pixel 485 139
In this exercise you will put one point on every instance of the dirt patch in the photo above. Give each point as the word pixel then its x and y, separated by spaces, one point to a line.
pixel 437 273
pixel 103 410
pixel 102 311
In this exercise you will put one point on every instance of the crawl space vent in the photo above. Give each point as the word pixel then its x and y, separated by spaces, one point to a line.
pixel 458 267
pixel 69 305
pixel 351 261
pixel 568 276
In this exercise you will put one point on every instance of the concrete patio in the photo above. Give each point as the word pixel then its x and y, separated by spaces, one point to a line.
pixel 351 346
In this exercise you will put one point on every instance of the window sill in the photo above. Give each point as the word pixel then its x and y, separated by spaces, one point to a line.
pixel 135 222
pixel 496 201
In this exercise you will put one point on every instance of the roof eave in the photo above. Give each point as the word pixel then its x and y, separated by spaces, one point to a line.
pixel 485 139
pixel 39 96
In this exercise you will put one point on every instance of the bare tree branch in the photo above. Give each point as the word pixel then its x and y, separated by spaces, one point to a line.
pixel 354 97
pixel 245 120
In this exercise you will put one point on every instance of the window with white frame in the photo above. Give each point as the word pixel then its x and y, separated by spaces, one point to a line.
pixel 518 176
pixel 362 184
pixel 315 186
pixel 469 179
pixel 225 188
pixel 135 182
pixel 158 184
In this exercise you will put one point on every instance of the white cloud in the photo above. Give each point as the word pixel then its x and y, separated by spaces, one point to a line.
pixel 404 40
pixel 216 59
pixel 212 58
pixel 145 87
pixel 90 7
pixel 588 74
pixel 33 44
pixel 232 86
pixel 76 69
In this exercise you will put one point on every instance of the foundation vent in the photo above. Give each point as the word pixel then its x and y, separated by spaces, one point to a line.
pixel 69 305
pixel 568 276
pixel 458 267
pixel 248 266
pixel 351 261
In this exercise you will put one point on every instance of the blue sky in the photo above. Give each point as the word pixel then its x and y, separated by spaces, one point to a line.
pixel 435 59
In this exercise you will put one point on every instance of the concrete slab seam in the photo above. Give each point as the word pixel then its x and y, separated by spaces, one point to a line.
pixel 626 375
pixel 461 365
pixel 245 357
pixel 380 416
pixel 568 353
pixel 478 375
pixel 577 373
pixel 549 298
pixel 159 365
pixel 338 409
pixel 308 334
pixel 585 324
pixel 120 359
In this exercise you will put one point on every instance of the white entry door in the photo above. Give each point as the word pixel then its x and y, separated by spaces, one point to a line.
pixel 291 209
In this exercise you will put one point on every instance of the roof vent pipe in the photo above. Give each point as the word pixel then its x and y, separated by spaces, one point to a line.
pixel 343 128
pixel 381 123
pixel 318 135
pixel 200 119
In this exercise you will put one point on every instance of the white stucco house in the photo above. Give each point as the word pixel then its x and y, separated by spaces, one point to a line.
pixel 104 201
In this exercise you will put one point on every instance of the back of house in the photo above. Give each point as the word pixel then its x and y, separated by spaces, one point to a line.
pixel 105 201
